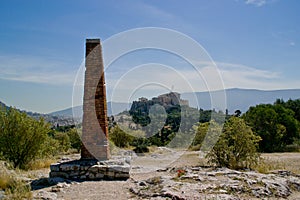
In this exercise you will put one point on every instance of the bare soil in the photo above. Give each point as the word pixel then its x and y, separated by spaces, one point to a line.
pixel 151 165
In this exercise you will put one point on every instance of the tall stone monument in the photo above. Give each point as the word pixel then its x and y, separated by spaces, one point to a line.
pixel 94 125
pixel 95 162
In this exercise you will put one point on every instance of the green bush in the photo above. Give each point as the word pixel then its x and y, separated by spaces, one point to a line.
pixel 206 135
pixel 63 140
pixel 22 138
pixel 236 147
pixel 141 145
pixel 75 138
pixel 119 137
pixel 49 148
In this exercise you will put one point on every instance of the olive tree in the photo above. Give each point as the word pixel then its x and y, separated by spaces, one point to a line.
pixel 236 147
pixel 22 138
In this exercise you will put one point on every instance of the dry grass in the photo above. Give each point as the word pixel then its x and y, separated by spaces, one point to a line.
pixel 269 162
pixel 190 158
pixel 5 180
pixel 14 187
pixel 285 161
pixel 266 165
pixel 40 163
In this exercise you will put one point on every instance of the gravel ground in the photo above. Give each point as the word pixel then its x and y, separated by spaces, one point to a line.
pixel 144 167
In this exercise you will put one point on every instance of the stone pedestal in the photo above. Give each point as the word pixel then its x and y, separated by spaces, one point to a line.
pixel 80 170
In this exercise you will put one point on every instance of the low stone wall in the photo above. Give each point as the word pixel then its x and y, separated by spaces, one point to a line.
pixel 91 170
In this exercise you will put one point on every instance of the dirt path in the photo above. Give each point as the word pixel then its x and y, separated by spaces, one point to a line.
pixel 95 190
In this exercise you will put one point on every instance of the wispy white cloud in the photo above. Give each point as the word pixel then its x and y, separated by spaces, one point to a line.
pixel 256 2
pixel 149 79
pixel 152 79
pixel 246 71
pixel 286 37
pixel 35 70
pixel 153 11
pixel 241 76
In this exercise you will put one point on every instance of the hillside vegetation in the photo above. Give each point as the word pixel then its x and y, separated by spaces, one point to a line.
pixel 236 139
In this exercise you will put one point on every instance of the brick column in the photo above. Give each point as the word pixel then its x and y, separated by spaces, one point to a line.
pixel 94 125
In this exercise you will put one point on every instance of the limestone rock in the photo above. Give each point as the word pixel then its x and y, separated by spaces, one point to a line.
pixel 45 195
pixel 219 183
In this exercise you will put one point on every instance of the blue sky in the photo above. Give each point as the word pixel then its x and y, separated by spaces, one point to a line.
pixel 255 43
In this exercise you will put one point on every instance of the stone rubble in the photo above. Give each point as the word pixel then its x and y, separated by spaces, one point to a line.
pixel 220 183
pixel 45 195
pixel 2 194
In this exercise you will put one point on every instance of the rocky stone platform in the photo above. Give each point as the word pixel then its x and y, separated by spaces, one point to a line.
pixel 219 183
pixel 81 170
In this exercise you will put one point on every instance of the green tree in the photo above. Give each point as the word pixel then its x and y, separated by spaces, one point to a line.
pixel 275 124
pixel 22 138
pixel 236 147
pixel 294 105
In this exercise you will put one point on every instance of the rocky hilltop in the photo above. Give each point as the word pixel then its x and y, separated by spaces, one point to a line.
pixel 166 100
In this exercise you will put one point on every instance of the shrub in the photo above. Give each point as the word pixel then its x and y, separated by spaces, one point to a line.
pixel 64 141
pixel 75 138
pixel 119 137
pixel 21 137
pixel 141 145
pixel 236 147
pixel 206 135
pixel 50 147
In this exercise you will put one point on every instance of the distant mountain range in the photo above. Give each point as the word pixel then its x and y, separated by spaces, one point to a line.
pixel 241 99
pixel 113 108
pixel 237 99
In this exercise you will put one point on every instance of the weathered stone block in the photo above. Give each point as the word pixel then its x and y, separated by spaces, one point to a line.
pixel 110 174
pixel 122 176
pixel 54 167
pixel 83 177
pixel 91 176
pixel 119 168
pixel 74 173
pixel 94 169
pixel 75 167
pixel 99 176
pixel 59 174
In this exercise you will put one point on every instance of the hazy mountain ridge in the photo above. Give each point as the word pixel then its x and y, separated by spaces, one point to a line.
pixel 237 99
pixel 241 99
pixel 113 108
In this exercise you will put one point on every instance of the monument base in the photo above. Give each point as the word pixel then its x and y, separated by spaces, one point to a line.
pixel 87 169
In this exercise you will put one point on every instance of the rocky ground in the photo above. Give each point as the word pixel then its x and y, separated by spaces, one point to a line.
pixel 169 174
